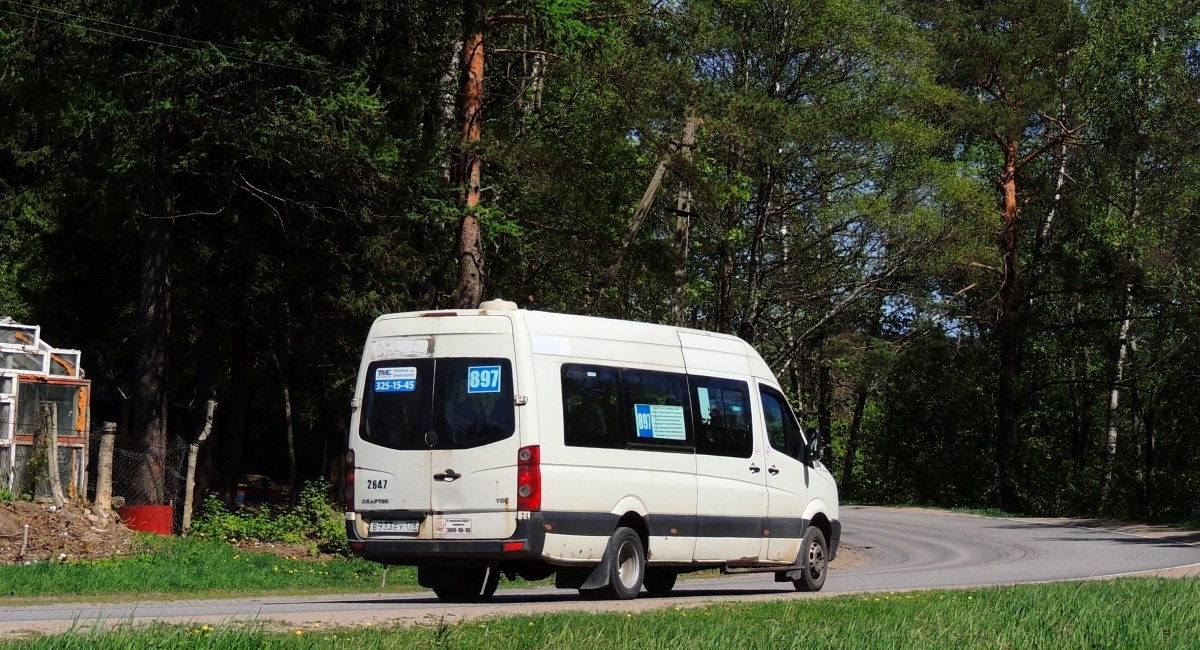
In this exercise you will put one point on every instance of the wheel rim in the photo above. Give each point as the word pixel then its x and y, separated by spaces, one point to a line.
pixel 816 560
pixel 628 567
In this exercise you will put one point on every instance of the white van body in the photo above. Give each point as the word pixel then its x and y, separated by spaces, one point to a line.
pixel 613 454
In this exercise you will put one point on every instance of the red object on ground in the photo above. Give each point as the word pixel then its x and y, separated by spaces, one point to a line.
pixel 148 519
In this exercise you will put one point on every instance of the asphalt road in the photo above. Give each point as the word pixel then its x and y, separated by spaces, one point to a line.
pixel 900 549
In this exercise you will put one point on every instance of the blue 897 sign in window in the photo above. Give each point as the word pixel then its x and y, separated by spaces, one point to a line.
pixel 483 379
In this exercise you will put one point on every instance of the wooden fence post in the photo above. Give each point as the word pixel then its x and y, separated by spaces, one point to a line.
pixel 193 452
pixel 50 423
pixel 104 462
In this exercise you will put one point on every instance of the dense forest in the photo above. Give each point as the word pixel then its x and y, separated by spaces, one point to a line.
pixel 965 233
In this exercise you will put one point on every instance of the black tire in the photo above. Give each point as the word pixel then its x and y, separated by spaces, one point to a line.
pixel 626 567
pixel 467 585
pixel 660 581
pixel 814 561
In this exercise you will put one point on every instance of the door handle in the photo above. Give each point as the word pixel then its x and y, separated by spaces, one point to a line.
pixel 754 469
pixel 447 476
pixel 773 470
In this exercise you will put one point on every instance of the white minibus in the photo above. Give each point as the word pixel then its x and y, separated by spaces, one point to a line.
pixel 613 455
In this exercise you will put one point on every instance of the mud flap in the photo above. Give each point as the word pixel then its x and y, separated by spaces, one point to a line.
pixel 797 570
pixel 600 575
pixel 790 575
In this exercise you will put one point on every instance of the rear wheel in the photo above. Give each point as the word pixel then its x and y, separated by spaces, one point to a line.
pixel 466 584
pixel 814 561
pixel 626 567
pixel 659 581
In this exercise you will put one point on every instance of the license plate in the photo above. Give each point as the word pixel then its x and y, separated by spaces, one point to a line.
pixel 404 526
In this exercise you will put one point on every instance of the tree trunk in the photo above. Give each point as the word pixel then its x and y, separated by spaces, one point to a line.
pixel 726 287
pixel 1043 231
pixel 469 291
pixel 860 405
pixel 1111 432
pixel 1009 337
pixel 748 327
pixel 825 398
pixel 1111 415
pixel 683 148
pixel 291 440
pixel 683 218
pixel 635 224
pixel 1136 410
pixel 232 431
pixel 193 454
pixel 440 127
pixel 149 417
pixel 1082 397
pixel 1148 456
pixel 533 82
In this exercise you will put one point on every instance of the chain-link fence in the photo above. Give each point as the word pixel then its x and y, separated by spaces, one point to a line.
pixel 128 464
pixel 25 438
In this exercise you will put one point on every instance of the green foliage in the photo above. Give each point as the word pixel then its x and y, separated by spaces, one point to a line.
pixel 930 420
pixel 7 496
pixel 843 212
pixel 314 521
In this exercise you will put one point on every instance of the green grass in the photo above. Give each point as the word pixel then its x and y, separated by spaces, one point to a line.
pixel 1128 613
pixel 180 567
pixel 1190 524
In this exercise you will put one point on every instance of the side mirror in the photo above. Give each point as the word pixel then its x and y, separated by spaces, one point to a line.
pixel 815 449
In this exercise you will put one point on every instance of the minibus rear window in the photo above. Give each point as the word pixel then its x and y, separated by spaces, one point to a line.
pixel 437 403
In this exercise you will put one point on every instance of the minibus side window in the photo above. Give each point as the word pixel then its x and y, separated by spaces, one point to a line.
pixel 659 408
pixel 591 411
pixel 782 429
pixel 721 408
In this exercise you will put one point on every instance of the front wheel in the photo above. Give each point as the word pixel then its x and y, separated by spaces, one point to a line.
pixel 626 567
pixel 814 561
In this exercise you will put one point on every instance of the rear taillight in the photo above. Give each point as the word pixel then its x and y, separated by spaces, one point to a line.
pixel 348 488
pixel 529 479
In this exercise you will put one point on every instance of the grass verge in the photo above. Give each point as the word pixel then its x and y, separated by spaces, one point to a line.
pixel 1127 613
pixel 194 568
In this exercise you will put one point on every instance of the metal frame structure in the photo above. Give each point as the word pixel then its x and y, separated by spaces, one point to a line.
pixel 33 372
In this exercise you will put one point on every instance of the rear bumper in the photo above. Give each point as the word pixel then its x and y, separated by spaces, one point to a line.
pixel 525 544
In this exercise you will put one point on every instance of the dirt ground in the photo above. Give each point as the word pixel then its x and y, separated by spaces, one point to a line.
pixel 75 532
pixel 69 533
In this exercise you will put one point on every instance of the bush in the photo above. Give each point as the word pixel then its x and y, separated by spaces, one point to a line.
pixel 314 521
